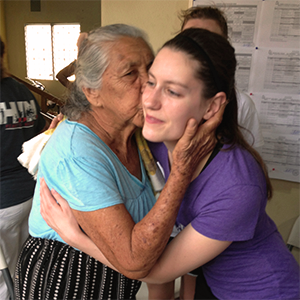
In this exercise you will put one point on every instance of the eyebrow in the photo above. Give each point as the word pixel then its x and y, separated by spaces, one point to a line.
pixel 172 82
pixel 132 64
pixel 126 66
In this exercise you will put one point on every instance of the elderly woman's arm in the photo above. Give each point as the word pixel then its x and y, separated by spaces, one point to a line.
pixel 134 248
pixel 188 251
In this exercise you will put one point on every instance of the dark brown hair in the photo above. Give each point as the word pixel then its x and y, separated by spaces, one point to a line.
pixel 215 62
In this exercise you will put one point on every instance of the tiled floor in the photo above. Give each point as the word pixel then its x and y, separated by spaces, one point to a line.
pixel 143 292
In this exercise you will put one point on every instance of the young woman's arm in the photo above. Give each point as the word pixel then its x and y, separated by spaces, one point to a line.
pixel 188 251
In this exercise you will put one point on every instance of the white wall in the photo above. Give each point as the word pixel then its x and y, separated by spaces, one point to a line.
pixel 157 17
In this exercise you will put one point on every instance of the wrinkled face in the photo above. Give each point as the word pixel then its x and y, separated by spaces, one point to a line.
pixel 171 97
pixel 122 81
pixel 208 24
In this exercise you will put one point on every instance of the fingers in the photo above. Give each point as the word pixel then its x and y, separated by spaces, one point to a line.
pixel 54 123
pixel 60 117
pixel 47 202
pixel 216 120
pixel 56 120
pixel 51 200
pixel 59 200
pixel 196 142
pixel 190 131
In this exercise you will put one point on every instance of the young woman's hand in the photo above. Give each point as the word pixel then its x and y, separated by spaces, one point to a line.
pixel 58 215
pixel 55 121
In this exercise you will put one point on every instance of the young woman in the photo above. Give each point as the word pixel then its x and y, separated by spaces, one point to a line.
pixel 223 220
pixel 213 19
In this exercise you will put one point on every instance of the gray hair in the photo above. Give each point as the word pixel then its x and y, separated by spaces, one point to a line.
pixel 92 61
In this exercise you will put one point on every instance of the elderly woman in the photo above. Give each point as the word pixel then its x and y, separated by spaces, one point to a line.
pixel 92 160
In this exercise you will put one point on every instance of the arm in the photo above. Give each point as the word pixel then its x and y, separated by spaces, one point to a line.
pixel 188 251
pixel 59 215
pixel 143 243
pixel 66 72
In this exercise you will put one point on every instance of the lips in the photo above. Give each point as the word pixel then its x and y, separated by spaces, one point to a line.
pixel 152 120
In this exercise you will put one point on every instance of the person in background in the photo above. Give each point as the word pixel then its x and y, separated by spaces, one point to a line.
pixel 93 159
pixel 213 19
pixel 69 70
pixel 20 120
pixel 223 222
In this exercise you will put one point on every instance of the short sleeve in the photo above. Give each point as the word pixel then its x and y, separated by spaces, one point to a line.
pixel 232 216
pixel 87 184
pixel 248 119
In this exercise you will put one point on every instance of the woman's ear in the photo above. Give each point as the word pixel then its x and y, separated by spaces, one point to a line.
pixel 93 96
pixel 215 104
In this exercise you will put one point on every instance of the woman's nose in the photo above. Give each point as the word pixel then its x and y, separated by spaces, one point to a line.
pixel 151 98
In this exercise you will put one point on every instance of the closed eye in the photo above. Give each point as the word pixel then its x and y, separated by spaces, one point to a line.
pixel 129 73
pixel 173 93
pixel 150 83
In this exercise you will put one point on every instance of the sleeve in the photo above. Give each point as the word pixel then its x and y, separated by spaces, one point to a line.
pixel 248 118
pixel 87 184
pixel 232 216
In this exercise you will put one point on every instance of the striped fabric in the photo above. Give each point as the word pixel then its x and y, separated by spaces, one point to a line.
pixel 49 269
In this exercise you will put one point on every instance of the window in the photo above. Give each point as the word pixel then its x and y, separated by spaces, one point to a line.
pixel 49 48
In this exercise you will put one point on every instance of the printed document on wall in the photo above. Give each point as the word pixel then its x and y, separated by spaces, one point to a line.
pixel 280 124
pixel 266 38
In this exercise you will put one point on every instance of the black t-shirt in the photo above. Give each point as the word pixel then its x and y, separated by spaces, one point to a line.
pixel 20 120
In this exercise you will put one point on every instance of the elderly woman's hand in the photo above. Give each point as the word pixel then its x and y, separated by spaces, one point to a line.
pixel 196 142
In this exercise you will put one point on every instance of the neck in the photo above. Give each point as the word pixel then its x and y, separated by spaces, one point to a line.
pixel 199 167
pixel 114 134
pixel 119 139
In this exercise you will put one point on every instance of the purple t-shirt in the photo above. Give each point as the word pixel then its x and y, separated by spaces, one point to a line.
pixel 227 202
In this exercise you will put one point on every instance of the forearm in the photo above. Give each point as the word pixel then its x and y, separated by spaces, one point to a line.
pixel 66 72
pixel 86 245
pixel 134 248
pixel 143 243
pixel 186 252
pixel 63 80
pixel 151 234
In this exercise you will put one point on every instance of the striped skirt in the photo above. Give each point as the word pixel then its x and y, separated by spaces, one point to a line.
pixel 48 269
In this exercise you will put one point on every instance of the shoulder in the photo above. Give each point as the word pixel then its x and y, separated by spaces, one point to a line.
pixel 75 140
pixel 249 120
pixel 244 101
pixel 15 88
pixel 237 165
pixel 246 169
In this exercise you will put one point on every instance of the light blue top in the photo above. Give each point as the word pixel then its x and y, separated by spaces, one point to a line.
pixel 84 170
